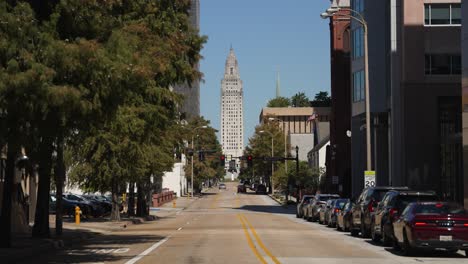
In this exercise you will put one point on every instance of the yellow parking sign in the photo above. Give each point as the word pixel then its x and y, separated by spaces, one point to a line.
pixel 369 179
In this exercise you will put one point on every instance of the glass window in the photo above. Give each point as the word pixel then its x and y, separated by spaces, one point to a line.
pixel 442 64
pixel 456 14
pixel 442 14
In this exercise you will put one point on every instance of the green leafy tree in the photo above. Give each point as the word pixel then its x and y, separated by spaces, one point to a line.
pixel 260 146
pixel 322 99
pixel 279 102
pixel 300 100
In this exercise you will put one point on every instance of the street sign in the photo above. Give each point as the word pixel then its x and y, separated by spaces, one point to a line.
pixel 273 159
pixel 369 179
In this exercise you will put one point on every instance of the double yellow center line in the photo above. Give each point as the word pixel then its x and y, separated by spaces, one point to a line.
pixel 246 225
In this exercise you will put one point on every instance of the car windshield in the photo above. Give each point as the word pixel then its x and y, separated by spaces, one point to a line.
pixel 340 203
pixel 377 195
pixel 326 198
pixel 440 209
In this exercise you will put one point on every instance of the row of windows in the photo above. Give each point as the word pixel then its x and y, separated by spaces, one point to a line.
pixel 442 14
pixel 358 42
pixel 359 85
pixel 443 64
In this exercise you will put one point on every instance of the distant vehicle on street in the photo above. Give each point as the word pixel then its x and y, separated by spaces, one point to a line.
pixel 343 220
pixel 432 225
pixel 301 205
pixel 389 209
pixel 364 209
pixel 316 204
pixel 260 189
pixel 222 186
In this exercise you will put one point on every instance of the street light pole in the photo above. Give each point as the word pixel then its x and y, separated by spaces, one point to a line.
pixel 360 18
pixel 285 145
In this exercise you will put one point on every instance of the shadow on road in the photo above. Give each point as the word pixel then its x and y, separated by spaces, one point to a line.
pixel 418 253
pixel 101 248
pixel 272 209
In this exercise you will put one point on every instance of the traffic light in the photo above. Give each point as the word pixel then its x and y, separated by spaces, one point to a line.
pixel 222 160
pixel 201 155
pixel 249 161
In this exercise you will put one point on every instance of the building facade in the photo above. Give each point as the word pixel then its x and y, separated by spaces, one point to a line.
pixel 232 109
pixel 299 130
pixel 339 164
pixel 191 91
pixel 414 79
pixel 465 98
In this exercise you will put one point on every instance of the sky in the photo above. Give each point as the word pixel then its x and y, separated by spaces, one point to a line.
pixel 266 35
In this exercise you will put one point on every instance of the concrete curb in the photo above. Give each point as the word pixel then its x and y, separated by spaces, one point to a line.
pixel 276 200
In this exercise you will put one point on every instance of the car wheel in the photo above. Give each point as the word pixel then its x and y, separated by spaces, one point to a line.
pixel 396 245
pixel 297 215
pixel 386 239
pixel 338 227
pixel 406 247
pixel 364 231
pixel 466 253
pixel 345 226
pixel 354 231
pixel 375 237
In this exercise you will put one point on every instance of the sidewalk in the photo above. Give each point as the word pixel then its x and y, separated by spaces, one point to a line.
pixel 173 207
pixel 281 198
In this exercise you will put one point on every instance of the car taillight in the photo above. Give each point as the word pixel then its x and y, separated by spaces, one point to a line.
pixel 420 224
pixel 393 213
pixel 465 224
pixel 370 207
pixel 337 210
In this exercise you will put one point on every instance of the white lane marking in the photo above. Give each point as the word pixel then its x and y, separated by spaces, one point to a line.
pixel 146 252
pixel 180 228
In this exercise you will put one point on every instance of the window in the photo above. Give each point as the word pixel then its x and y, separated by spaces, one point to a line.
pixel 358 5
pixel 358 86
pixel 358 42
pixel 442 64
pixel 442 14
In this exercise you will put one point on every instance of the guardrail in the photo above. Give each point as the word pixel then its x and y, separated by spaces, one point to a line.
pixel 162 198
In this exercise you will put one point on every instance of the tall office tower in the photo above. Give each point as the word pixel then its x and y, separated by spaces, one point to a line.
pixel 232 113
pixel 191 93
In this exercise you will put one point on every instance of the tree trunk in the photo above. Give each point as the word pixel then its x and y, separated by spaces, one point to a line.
pixel 115 213
pixel 131 199
pixel 5 219
pixel 141 201
pixel 59 179
pixel 41 221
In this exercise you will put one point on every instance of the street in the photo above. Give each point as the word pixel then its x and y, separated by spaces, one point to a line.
pixel 225 227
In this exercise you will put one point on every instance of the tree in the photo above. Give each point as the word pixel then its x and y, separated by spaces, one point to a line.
pixel 204 140
pixel 322 99
pixel 300 100
pixel 279 102
pixel 260 146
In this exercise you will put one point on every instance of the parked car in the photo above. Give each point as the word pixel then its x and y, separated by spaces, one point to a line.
pixel 323 211
pixel 301 205
pixel 68 206
pixel 343 219
pixel 260 189
pixel 363 211
pixel 392 204
pixel 432 225
pixel 92 208
pixel 313 208
pixel 105 206
pixel 222 186
pixel 241 188
pixel 332 212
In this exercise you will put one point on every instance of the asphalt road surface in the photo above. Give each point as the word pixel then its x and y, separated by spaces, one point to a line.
pixel 226 227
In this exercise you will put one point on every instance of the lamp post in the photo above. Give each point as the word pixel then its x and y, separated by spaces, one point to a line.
pixel 285 145
pixel 333 11
pixel 191 181
pixel 272 155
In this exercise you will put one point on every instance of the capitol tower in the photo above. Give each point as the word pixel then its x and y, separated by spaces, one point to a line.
pixel 232 110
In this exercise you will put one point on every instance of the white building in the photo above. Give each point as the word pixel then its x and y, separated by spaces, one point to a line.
pixel 232 113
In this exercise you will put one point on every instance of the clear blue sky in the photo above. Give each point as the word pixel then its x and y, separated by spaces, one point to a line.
pixel 265 35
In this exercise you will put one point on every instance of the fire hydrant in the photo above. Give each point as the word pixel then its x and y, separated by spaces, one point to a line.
pixel 173 203
pixel 77 215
